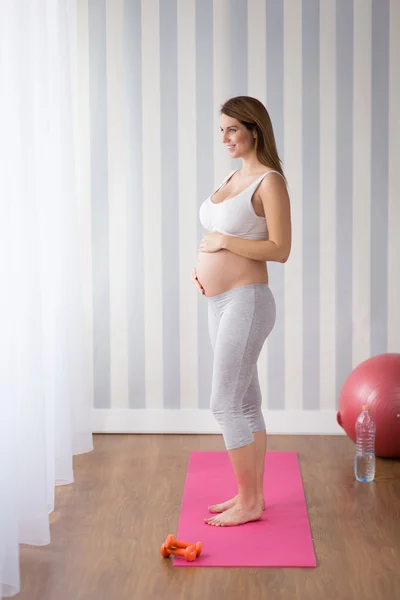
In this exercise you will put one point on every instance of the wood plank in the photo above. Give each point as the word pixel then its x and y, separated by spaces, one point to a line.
pixel 108 526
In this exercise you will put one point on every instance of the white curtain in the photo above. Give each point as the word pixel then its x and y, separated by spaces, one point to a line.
pixel 45 391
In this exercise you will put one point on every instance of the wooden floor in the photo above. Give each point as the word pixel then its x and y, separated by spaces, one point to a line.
pixel 108 526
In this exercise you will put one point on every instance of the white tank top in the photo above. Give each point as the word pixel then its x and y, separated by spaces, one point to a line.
pixel 235 216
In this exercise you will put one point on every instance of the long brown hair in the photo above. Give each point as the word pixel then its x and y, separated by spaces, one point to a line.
pixel 254 116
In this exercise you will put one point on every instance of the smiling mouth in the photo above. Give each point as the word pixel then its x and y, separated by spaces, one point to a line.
pixel 230 147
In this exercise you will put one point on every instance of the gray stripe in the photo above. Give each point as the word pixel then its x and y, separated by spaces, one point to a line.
pixel 311 241
pixel 276 341
pixel 99 195
pixel 239 46
pixel 134 189
pixel 344 190
pixel 379 175
pixel 205 172
pixel 169 200
pixel 238 52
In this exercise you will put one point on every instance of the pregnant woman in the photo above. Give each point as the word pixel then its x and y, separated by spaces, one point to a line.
pixel 248 223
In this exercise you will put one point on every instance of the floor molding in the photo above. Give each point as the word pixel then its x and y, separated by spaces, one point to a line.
pixel 192 421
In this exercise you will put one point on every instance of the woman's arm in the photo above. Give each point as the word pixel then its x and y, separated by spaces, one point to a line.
pixel 275 199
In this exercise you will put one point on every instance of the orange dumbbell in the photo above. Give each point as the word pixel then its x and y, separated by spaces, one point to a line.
pixel 188 553
pixel 171 542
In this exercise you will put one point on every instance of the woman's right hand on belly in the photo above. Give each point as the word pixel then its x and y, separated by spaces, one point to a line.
pixel 196 281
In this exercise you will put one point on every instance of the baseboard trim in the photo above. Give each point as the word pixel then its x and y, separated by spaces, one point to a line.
pixel 196 421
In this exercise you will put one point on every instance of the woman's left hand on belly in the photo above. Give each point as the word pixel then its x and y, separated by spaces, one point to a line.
pixel 212 242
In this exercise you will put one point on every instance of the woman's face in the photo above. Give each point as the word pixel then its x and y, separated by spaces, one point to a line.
pixel 237 138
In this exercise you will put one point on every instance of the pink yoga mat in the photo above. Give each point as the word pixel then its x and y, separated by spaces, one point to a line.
pixel 281 539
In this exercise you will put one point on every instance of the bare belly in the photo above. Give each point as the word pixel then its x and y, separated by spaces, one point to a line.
pixel 221 271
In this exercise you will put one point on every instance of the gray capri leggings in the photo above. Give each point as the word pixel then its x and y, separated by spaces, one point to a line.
pixel 240 321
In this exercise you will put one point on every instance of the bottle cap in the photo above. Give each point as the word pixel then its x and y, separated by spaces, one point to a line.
pixel 365 406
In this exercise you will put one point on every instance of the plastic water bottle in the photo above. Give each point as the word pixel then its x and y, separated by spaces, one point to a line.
pixel 364 462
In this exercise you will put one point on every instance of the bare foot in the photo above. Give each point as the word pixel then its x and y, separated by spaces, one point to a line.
pixel 219 508
pixel 236 515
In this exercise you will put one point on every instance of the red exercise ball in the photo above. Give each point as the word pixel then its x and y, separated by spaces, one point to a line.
pixel 375 382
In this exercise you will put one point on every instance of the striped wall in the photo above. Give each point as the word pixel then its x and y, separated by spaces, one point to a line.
pixel 151 77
